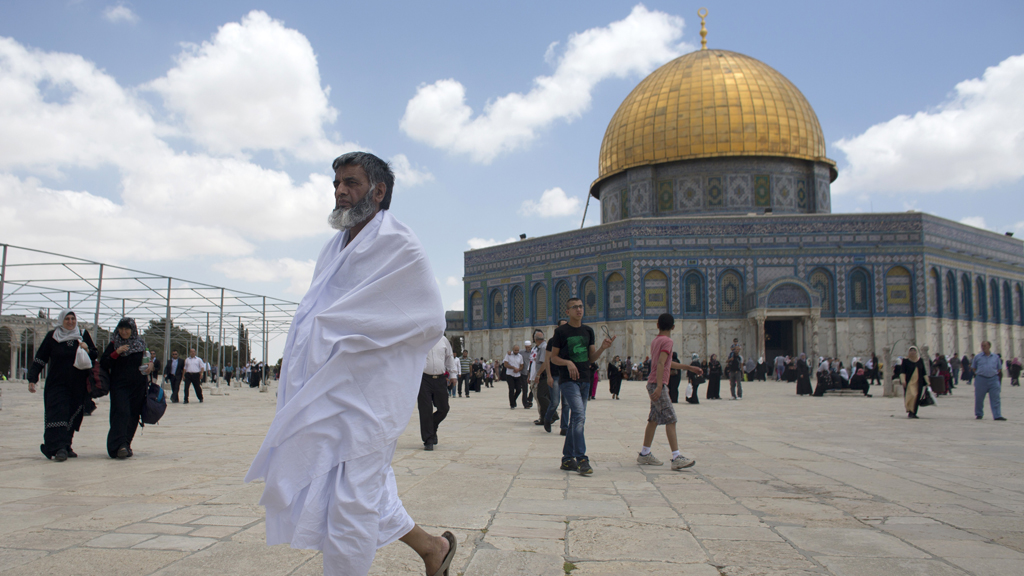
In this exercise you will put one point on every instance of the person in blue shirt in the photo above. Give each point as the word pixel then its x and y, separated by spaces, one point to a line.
pixel 988 374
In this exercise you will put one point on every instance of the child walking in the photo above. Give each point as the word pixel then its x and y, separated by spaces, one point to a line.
pixel 662 411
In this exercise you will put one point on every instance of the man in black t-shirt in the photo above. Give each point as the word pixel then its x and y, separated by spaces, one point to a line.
pixel 734 368
pixel 572 350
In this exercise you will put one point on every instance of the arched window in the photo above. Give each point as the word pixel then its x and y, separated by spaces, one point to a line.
pixel 616 291
pixel 980 301
pixel 518 305
pixel 859 283
pixel 1007 304
pixel 562 296
pixel 821 281
pixel 476 305
pixel 993 300
pixel 588 292
pixel 497 308
pixel 949 296
pixel 540 304
pixel 966 297
pixel 1020 305
pixel 731 294
pixel 693 294
pixel 897 291
pixel 655 293
pixel 933 292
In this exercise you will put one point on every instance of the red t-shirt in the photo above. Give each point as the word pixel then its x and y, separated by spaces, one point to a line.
pixel 658 345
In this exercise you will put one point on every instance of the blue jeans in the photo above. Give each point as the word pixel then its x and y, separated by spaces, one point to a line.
pixel 553 406
pixel 991 386
pixel 575 395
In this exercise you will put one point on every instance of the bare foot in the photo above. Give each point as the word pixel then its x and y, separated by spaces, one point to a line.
pixel 435 557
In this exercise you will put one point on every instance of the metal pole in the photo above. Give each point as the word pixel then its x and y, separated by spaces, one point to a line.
pixel 167 325
pixel 220 334
pixel 3 277
pixel 99 295
pixel 206 344
pixel 266 341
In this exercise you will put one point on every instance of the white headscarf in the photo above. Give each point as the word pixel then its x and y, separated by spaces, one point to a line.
pixel 62 334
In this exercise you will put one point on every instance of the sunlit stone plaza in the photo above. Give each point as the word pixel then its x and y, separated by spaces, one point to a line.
pixel 782 485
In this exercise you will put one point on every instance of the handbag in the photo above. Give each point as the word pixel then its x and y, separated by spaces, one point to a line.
pixel 928 398
pixel 82 360
pixel 155 406
pixel 97 383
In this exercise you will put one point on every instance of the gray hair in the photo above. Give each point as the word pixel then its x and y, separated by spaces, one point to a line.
pixel 377 171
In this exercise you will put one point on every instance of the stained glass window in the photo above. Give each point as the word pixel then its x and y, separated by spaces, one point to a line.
pixel 518 306
pixel 655 293
pixel 540 304
pixel 980 301
pixel 616 296
pixel 859 301
pixel 693 294
pixel 731 299
pixel 933 292
pixel 821 281
pixel 897 290
pixel 994 300
pixel 589 296
pixel 562 292
pixel 1007 304
pixel 497 308
pixel 966 300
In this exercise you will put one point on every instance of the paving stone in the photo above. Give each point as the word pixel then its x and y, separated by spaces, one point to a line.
pixel 643 569
pixel 848 542
pixel 97 562
pixel 613 539
pixel 14 558
pixel 755 554
pixel 876 566
pixel 988 566
pixel 225 520
pixel 169 542
pixel 214 531
pixel 45 539
pixel 512 563
pixel 118 540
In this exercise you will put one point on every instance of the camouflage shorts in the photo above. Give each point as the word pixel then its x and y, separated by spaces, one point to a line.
pixel 662 411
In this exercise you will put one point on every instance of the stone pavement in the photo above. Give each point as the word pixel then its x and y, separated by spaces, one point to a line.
pixel 782 485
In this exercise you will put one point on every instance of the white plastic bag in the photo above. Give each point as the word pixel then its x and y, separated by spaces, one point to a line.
pixel 82 360
pixel 689 390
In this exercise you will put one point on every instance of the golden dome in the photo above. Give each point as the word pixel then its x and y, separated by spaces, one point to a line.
pixel 710 104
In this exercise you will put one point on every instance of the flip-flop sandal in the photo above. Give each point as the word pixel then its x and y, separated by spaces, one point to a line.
pixel 452 545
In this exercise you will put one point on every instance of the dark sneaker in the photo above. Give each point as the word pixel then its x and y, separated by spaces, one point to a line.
pixel 122 453
pixel 61 455
pixel 1000 419
pixel 71 453
pixel 547 425
pixel 563 432
pixel 584 467
pixel 569 465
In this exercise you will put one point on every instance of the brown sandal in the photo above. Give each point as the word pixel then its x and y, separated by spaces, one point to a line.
pixel 452 545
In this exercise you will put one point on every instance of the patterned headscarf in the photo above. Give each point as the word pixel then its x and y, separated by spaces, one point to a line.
pixel 61 334
pixel 134 342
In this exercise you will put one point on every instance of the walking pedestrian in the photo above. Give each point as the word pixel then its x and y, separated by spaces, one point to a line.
pixel 433 392
pixel 513 364
pixel 124 359
pixel 194 370
pixel 714 378
pixel 987 369
pixel 913 377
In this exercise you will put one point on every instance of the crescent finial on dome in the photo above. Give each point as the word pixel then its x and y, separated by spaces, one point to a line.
pixel 703 13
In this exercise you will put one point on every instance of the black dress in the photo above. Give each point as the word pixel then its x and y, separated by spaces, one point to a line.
pixel 912 398
pixel 714 380
pixel 803 378
pixel 695 382
pixel 64 392
pixel 127 397
pixel 614 378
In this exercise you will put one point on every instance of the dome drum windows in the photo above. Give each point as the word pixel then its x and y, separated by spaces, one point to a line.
pixel 655 293
pixel 730 299
pixel 821 281
pixel 859 284
pixel 518 306
pixel 616 294
pixel 897 291
pixel 540 304
pixel 693 294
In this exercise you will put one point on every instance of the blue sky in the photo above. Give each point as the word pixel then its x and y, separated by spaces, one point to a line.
pixel 195 138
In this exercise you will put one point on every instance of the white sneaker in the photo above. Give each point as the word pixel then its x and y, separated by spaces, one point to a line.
pixel 681 462
pixel 649 460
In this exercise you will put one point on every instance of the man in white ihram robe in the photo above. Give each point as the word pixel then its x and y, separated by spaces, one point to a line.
pixel 349 380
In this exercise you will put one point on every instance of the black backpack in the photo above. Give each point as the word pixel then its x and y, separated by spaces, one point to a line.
pixel 155 406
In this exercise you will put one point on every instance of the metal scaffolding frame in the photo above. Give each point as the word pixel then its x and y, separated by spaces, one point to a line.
pixel 36 282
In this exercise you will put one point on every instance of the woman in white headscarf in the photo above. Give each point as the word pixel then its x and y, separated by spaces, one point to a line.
pixel 64 392
pixel 912 376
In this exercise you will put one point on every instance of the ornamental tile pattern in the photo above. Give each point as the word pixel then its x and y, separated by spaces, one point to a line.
pixel 690 197
pixel 784 192
pixel 738 190
pixel 675 291
pixel 640 199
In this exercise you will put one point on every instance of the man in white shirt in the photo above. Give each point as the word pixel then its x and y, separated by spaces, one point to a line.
pixel 195 368
pixel 513 366
pixel 434 390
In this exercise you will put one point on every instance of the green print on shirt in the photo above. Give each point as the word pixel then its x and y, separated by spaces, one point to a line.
pixel 577 346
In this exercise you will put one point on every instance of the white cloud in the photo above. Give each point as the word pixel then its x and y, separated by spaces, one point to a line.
pixel 459 305
pixel 120 13
pixel 974 141
pixel 453 281
pixel 254 86
pixel 58 111
pixel 552 203
pixel 299 273
pixel 406 175
pixel 976 221
pixel 439 116
pixel 476 243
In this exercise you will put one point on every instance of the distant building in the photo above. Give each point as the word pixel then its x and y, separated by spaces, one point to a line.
pixel 715 205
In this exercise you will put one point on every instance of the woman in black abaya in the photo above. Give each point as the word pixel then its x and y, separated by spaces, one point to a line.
pixel 913 377
pixel 803 376
pixel 64 392
pixel 128 383
pixel 714 378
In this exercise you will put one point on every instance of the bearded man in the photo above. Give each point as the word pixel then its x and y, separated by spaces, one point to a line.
pixel 349 380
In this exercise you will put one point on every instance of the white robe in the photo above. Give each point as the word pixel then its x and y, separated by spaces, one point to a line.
pixel 352 362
